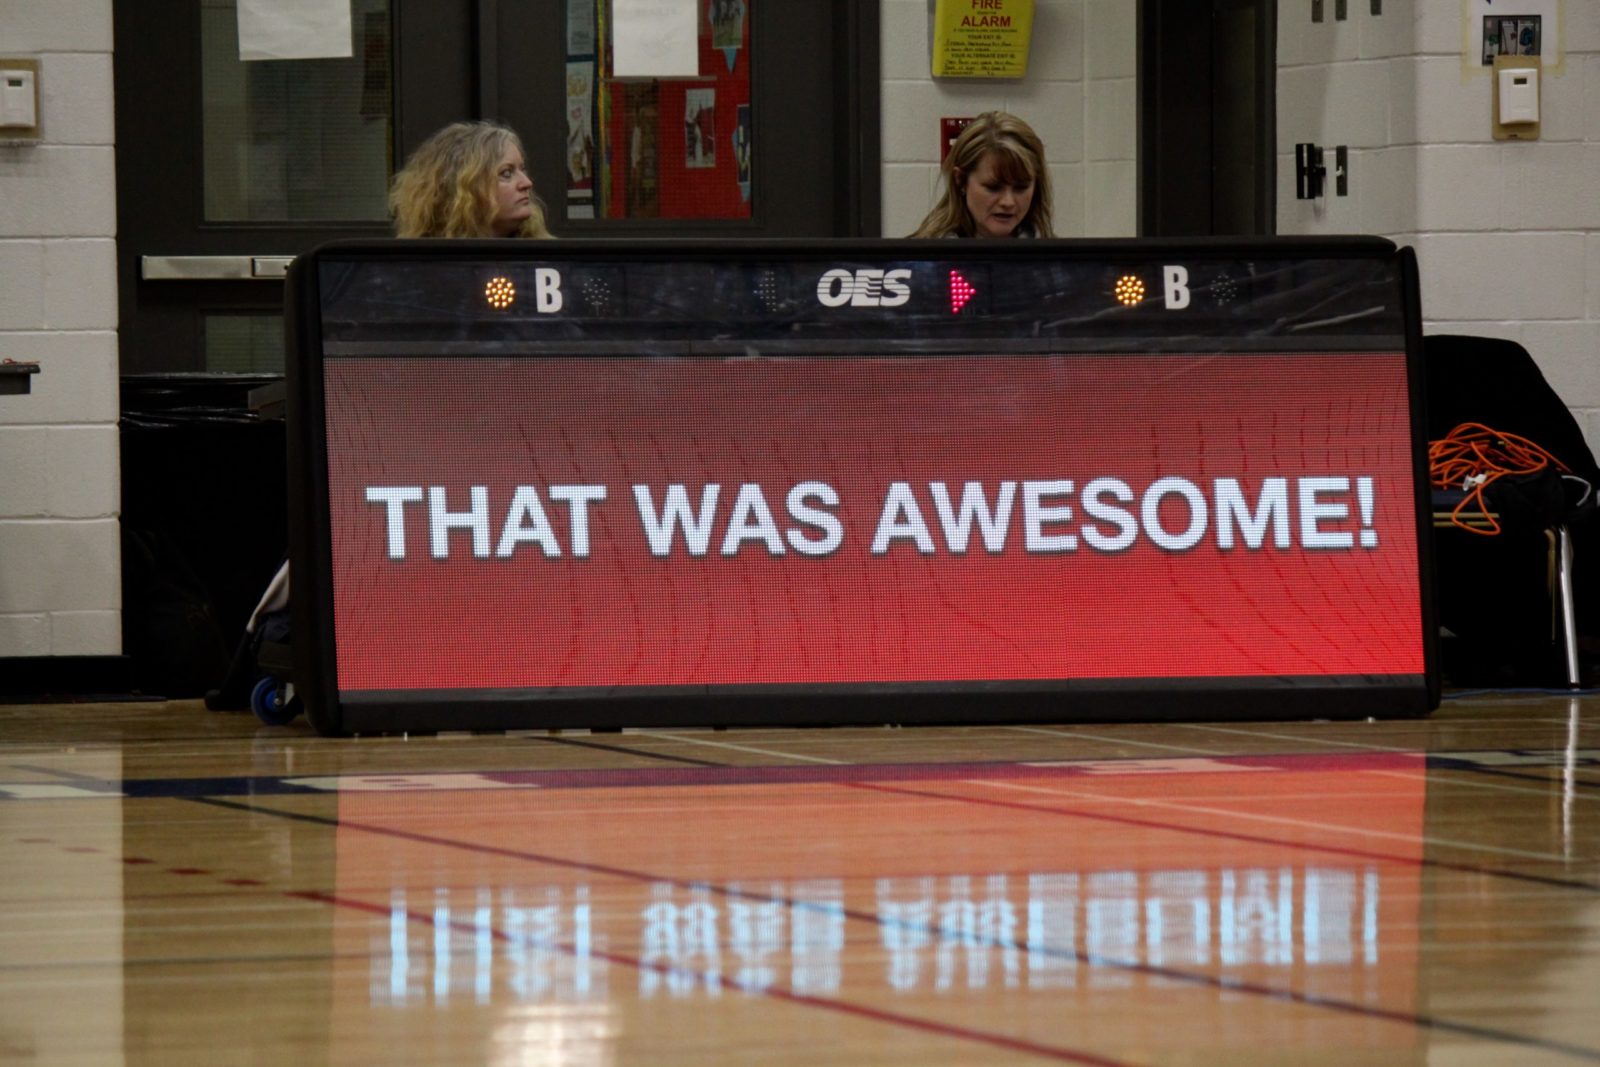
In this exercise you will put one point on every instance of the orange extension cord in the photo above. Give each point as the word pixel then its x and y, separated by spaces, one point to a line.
pixel 1473 457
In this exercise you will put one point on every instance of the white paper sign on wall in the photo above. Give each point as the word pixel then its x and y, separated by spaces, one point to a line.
pixel 294 29
pixel 655 39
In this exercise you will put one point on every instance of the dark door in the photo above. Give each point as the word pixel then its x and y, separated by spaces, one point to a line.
pixel 228 168
pixel 813 97
pixel 1206 117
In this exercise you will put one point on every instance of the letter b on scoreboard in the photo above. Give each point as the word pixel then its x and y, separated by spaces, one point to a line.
pixel 547 290
pixel 1175 285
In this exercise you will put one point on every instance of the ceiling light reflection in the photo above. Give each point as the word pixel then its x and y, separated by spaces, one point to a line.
pixel 555 1035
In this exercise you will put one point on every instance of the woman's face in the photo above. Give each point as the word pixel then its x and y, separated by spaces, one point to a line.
pixel 513 193
pixel 996 206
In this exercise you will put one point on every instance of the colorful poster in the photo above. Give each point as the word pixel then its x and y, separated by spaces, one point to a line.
pixel 580 27
pixel 1510 37
pixel 640 115
pixel 580 139
pixel 741 150
pixel 643 172
pixel 727 27
pixel 700 128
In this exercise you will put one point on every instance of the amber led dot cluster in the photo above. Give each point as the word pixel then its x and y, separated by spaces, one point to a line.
pixel 1129 290
pixel 500 293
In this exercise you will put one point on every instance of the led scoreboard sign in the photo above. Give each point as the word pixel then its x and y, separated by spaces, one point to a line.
pixel 569 483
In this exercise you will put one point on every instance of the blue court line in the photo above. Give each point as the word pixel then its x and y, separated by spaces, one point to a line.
pixel 702 774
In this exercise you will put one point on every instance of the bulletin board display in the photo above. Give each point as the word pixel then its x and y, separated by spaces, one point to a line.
pixel 677 147
pixel 899 480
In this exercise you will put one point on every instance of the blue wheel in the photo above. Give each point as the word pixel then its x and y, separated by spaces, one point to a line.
pixel 272 704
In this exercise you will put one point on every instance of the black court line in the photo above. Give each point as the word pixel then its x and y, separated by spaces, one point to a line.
pixel 624 749
pixel 731 774
pixel 1445 764
pixel 688 771
pixel 1219 983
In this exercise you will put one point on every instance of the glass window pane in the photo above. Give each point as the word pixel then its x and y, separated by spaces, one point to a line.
pixel 243 344
pixel 296 140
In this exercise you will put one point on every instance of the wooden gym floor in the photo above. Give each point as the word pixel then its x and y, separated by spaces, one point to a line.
pixel 185 887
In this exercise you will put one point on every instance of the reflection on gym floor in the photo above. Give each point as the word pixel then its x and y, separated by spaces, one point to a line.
pixel 196 887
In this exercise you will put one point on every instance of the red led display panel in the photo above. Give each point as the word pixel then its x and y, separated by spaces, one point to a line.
pixel 539 484
pixel 544 523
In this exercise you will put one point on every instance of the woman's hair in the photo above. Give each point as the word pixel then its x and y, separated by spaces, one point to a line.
pixel 1019 157
pixel 447 187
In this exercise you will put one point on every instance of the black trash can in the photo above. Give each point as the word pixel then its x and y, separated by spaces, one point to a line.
pixel 203 524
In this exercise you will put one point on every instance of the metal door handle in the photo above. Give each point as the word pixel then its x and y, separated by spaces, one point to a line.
pixel 213 268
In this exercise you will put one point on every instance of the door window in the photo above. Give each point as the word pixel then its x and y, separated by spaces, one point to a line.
pixel 296 140
pixel 643 147
pixel 227 167
pixel 242 342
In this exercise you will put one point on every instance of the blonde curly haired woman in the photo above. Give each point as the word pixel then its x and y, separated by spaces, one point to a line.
pixel 996 183
pixel 467 180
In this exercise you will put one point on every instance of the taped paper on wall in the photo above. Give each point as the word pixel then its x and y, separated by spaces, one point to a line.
pixel 655 39
pixel 294 29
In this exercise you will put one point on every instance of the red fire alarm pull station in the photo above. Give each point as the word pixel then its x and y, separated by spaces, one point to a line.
pixel 949 130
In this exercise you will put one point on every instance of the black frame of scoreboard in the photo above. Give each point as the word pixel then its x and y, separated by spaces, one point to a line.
pixel 1310 294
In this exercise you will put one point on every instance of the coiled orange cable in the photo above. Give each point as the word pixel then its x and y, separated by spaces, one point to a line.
pixel 1473 457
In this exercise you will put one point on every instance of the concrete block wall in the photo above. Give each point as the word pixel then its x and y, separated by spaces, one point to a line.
pixel 60 555
pixel 1507 233
pixel 1080 94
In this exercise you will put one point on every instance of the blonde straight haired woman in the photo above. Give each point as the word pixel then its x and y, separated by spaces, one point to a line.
pixel 996 183
pixel 467 180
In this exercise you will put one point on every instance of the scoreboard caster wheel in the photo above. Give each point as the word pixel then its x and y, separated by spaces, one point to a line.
pixel 273 704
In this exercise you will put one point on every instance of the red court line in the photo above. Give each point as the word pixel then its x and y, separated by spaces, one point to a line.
pixel 960 1033
pixel 1230 985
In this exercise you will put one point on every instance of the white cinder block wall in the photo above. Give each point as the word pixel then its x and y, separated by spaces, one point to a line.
pixel 1507 232
pixel 60 557
pixel 1079 94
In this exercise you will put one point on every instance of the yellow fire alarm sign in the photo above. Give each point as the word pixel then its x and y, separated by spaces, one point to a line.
pixel 981 38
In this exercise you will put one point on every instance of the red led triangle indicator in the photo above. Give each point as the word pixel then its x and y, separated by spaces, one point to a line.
pixel 961 291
